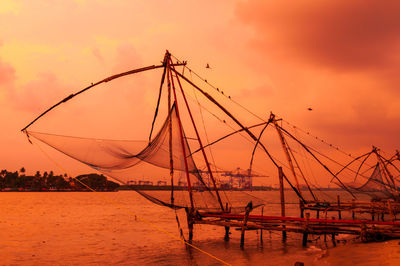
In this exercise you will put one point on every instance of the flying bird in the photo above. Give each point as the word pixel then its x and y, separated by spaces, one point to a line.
pixel 309 109
pixel 208 66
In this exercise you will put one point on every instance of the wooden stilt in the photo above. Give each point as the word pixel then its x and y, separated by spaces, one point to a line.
pixel 282 193
pixel 189 216
pixel 261 231
pixel 249 207
pixel 301 204
pixel 305 232
pixel 305 235
pixel 227 228
pixel 333 236
pixel 226 238
pixel 339 211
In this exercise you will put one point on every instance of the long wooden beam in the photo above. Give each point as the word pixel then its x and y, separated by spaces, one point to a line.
pixel 130 72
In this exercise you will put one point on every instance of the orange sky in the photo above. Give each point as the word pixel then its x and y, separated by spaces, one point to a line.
pixel 338 57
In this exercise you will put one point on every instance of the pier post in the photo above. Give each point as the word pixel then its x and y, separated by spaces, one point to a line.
pixel 333 236
pixel 189 216
pixel 261 231
pixel 338 204
pixel 249 207
pixel 305 232
pixel 353 213
pixel 282 192
pixel 301 206
pixel 226 238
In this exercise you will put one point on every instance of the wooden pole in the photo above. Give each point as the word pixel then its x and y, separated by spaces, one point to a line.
pixel 249 207
pixel 301 205
pixel 226 238
pixel 333 236
pixel 171 161
pixel 189 216
pixel 338 204
pixel 261 231
pixel 183 143
pixel 227 228
pixel 282 194
pixel 93 85
pixel 200 143
pixel 285 149
pixel 305 232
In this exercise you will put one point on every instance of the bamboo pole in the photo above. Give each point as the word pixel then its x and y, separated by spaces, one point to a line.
pixel 200 142
pixel 261 231
pixel 246 216
pixel 190 222
pixel 282 194
pixel 285 149
pixel 182 142
pixel 333 236
pixel 171 161
pixel 130 72
pixel 305 232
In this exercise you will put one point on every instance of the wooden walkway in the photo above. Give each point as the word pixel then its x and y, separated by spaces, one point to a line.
pixel 376 209
pixel 367 230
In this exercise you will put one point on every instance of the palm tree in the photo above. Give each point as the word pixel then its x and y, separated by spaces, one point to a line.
pixel 22 171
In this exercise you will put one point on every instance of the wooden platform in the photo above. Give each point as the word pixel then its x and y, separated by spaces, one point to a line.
pixel 376 209
pixel 367 230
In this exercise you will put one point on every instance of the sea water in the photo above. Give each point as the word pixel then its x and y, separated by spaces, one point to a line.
pixel 122 228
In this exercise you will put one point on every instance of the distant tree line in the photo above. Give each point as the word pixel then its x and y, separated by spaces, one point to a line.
pixel 48 181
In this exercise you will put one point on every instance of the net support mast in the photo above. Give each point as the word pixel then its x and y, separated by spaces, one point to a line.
pixel 181 137
pixel 200 142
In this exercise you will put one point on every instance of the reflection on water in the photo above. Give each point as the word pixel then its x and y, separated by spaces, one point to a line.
pixel 66 228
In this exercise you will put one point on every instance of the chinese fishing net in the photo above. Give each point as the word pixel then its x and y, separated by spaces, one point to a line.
pixel 375 186
pixel 118 159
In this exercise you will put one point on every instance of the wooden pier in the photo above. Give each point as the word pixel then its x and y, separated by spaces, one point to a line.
pixel 376 210
pixel 367 230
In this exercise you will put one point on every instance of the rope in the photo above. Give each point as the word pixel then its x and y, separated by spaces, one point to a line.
pixel 137 216
pixel 255 115
pixel 205 131
pixel 219 91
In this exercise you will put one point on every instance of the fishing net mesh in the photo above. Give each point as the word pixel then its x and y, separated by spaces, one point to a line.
pixel 118 159
pixel 375 186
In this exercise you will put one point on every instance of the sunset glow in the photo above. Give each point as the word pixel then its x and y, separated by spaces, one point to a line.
pixel 338 58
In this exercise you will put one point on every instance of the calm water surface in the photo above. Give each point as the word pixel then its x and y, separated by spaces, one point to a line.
pixel 80 228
